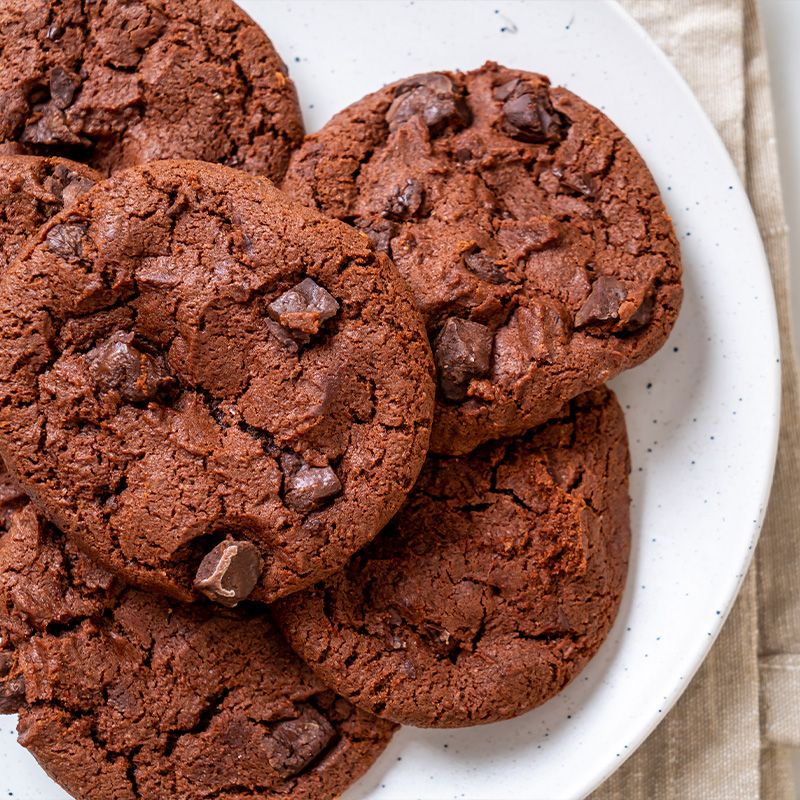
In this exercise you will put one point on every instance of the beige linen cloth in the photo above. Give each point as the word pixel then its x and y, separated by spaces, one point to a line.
pixel 729 735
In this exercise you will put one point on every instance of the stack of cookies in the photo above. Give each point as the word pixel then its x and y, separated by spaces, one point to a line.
pixel 285 469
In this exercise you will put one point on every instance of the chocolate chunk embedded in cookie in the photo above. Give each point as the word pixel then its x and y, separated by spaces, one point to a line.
pixel 491 588
pixel 127 696
pixel 201 367
pixel 117 83
pixel 32 190
pixel 529 229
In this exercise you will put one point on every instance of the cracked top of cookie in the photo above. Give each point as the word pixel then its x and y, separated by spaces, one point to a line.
pixel 529 229
pixel 33 189
pixel 210 389
pixel 116 83
pixel 125 695
pixel 491 588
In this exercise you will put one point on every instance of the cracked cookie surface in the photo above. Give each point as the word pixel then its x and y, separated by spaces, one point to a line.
pixel 491 588
pixel 117 83
pixel 193 368
pixel 32 190
pixel 529 229
pixel 127 696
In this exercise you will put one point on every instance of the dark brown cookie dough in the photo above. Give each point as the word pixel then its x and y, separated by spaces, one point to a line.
pixel 491 588
pixel 32 190
pixel 192 368
pixel 125 696
pixel 529 229
pixel 115 83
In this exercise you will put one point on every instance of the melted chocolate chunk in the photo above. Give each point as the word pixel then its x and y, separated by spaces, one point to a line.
pixel 62 86
pixel 299 741
pixel 480 265
pixel 303 308
pixel 462 351
pixel 434 98
pixel 307 487
pixel 66 240
pixel 602 305
pixel 528 113
pixel 405 201
pixel 118 366
pixel 229 572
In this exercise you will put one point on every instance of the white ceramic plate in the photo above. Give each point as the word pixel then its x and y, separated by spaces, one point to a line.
pixel 702 414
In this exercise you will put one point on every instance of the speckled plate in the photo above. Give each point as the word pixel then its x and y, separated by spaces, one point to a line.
pixel 702 414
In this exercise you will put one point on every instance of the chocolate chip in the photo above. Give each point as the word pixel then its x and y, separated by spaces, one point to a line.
pixel 307 487
pixel 641 316
pixel 66 186
pixel 528 114
pixel 602 304
pixel 66 240
pixel 75 188
pixel 381 232
pixel 51 129
pixel 118 366
pixel 503 92
pixel 576 181
pixel 55 188
pixel 404 202
pixel 433 97
pixel 480 265
pixel 304 307
pixel 62 86
pixel 54 32
pixel 438 638
pixel 62 174
pixel 229 572
pixel 283 336
pixel 297 742
pixel 462 351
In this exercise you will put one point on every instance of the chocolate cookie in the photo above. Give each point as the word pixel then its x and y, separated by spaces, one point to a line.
pixel 12 498
pixel 209 388
pixel 126 696
pixel 529 229
pixel 32 190
pixel 493 586
pixel 116 83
